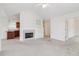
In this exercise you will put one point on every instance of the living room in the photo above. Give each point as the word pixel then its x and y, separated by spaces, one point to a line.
pixel 42 27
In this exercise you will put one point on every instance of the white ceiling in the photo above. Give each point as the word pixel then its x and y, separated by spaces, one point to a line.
pixel 53 9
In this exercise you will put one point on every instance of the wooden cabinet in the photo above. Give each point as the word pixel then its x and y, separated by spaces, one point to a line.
pixel 12 34
pixel 17 33
pixel 17 24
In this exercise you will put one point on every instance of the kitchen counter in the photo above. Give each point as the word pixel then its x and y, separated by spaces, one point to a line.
pixel 13 29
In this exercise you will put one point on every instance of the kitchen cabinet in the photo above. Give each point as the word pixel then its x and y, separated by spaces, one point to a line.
pixel 12 34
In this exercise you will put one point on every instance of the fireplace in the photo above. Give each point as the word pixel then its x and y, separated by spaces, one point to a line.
pixel 29 35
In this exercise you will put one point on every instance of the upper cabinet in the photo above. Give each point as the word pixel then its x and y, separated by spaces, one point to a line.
pixel 17 24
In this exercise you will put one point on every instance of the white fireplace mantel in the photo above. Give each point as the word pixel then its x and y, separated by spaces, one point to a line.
pixel 28 31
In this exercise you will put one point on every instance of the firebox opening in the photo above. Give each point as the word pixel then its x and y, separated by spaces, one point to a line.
pixel 28 35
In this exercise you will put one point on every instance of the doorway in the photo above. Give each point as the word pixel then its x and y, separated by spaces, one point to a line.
pixel 46 26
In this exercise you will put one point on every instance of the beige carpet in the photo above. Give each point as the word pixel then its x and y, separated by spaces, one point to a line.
pixel 39 47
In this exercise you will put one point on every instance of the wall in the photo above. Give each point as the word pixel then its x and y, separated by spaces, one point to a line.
pixel 12 24
pixel 31 21
pixel 71 24
pixel 28 21
pixel 12 21
pixel 0 45
pixel 3 25
pixel 77 26
pixel 71 28
pixel 58 28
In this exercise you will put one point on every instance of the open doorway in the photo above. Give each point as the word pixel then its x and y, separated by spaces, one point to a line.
pixel 46 26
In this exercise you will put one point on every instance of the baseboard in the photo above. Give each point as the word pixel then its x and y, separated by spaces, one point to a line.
pixel 3 39
pixel 58 39
pixel 72 37
pixel 0 46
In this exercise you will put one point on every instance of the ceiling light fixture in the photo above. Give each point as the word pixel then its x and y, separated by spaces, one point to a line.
pixel 44 5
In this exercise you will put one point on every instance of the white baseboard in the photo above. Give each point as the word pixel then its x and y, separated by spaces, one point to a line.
pixel 72 37
pixel 58 39
pixel 0 46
